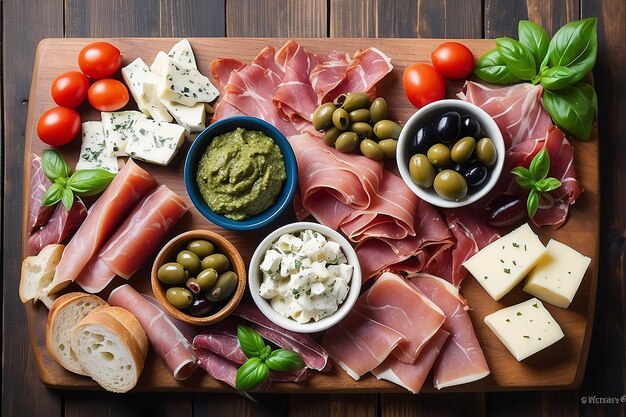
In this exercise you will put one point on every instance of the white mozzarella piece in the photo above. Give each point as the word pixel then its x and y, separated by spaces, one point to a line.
pixel 93 149
pixel 135 74
pixel 186 85
pixel 117 127
pixel 193 119
pixel 155 142
pixel 151 96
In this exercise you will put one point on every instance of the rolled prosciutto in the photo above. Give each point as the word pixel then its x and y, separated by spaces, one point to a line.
pixel 59 227
pixel 38 214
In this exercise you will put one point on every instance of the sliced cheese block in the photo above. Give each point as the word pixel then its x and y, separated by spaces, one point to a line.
pixel 93 150
pixel 150 94
pixel 193 118
pixel 558 274
pixel 117 126
pixel 135 74
pixel 155 142
pixel 185 85
pixel 525 328
pixel 501 265
pixel 159 63
pixel 182 52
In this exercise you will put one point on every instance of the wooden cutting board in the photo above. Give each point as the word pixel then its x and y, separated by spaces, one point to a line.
pixel 560 366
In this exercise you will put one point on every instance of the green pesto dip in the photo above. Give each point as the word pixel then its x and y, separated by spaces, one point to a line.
pixel 241 173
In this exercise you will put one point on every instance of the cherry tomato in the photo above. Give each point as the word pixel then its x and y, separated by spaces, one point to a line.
pixel 69 89
pixel 58 126
pixel 108 95
pixel 99 60
pixel 423 84
pixel 453 60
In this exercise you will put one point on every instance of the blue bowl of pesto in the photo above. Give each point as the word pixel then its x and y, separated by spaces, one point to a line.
pixel 241 173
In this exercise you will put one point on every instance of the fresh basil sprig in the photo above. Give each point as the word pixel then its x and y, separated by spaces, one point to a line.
pixel 261 359
pixel 83 182
pixel 535 179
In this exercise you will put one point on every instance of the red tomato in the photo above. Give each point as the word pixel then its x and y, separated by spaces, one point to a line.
pixel 58 126
pixel 108 95
pixel 99 60
pixel 69 89
pixel 423 84
pixel 453 60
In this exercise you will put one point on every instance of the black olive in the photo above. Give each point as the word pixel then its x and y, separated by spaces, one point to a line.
pixel 448 127
pixel 460 168
pixel 507 211
pixel 423 139
pixel 475 174
pixel 200 307
pixel 470 127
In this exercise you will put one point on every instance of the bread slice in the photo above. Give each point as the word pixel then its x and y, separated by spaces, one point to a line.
pixel 65 312
pixel 111 346
pixel 37 274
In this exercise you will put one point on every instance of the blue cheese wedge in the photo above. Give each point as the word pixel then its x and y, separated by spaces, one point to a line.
pixel 117 127
pixel 525 328
pixel 151 96
pixel 155 142
pixel 501 265
pixel 193 118
pixel 185 85
pixel 135 74
pixel 558 274
pixel 182 52
pixel 159 63
pixel 93 149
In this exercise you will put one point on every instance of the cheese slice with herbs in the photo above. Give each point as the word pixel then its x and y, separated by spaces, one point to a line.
pixel 117 127
pixel 150 94
pixel 93 149
pixel 135 74
pixel 193 118
pixel 159 63
pixel 182 52
pixel 155 142
pixel 185 85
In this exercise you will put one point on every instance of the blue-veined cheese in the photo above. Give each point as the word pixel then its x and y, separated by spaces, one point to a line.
pixel 151 96
pixel 93 149
pixel 155 142
pixel 117 127
pixel 182 52
pixel 525 328
pixel 193 118
pixel 185 85
pixel 135 74
pixel 159 63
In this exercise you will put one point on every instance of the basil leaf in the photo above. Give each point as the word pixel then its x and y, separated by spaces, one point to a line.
pixel 251 343
pixel 265 353
pixel 52 195
pixel 86 182
pixel 532 202
pixel 575 46
pixel 492 68
pixel 535 38
pixel 572 108
pixel 558 77
pixel 67 198
pixel 518 58
pixel 284 360
pixel 251 374
pixel 54 165
pixel 547 184
pixel 540 165
pixel 523 177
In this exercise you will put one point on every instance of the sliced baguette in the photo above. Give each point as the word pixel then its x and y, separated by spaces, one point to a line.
pixel 37 274
pixel 65 313
pixel 111 346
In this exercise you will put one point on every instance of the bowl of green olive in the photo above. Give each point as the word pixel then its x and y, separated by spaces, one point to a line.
pixel 450 153
pixel 199 277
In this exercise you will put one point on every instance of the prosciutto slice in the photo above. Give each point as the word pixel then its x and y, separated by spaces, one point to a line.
pixel 392 301
pixel 461 360
pixel 359 344
pixel 163 332
pixel 59 227
pixel 329 73
pixel 126 189
pixel 38 214
pixel 221 68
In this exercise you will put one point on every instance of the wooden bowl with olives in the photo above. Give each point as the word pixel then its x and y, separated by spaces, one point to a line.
pixel 450 153
pixel 199 277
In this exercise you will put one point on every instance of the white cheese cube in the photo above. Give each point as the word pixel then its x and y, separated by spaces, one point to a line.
pixel 155 142
pixel 151 96
pixel 185 85
pixel 182 52
pixel 159 63
pixel 501 265
pixel 93 153
pixel 558 274
pixel 117 128
pixel 135 74
pixel 525 328
pixel 193 118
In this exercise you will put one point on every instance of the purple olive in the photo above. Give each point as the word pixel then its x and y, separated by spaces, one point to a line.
pixel 507 212
pixel 200 307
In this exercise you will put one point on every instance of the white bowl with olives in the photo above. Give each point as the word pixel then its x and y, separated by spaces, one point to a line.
pixel 450 153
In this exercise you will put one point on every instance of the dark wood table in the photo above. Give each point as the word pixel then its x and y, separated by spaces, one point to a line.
pixel 25 23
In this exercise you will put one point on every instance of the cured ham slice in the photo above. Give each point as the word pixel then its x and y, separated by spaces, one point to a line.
pixel 461 360
pixel 223 370
pixel 266 59
pixel 221 68
pixel 162 331
pixel 38 214
pixel 412 375
pixel 126 189
pixel 59 227
pixel 392 301
pixel 135 240
pixel 359 344
pixel 329 73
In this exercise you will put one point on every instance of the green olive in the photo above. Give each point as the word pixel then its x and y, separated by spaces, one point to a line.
pixel 216 261
pixel 331 135
pixel 362 129
pixel 207 278
pixel 387 129
pixel 172 273
pixel 421 170
pixel 201 247
pixel 356 101
pixel 223 287
pixel 347 142
pixel 389 147
pixel 450 185
pixel 323 116
pixel 193 286
pixel 463 149
pixel 378 110
pixel 339 100
pixel 486 152
pixel 341 119
pixel 189 260
pixel 179 297
pixel 371 149
pixel 359 115
pixel 439 155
